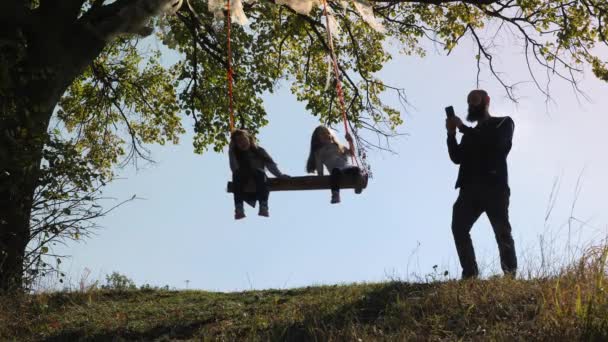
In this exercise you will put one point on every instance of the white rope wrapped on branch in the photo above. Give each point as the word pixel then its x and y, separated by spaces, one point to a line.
pixel 363 7
pixel 304 7
pixel 300 6
pixel 366 11
pixel 218 7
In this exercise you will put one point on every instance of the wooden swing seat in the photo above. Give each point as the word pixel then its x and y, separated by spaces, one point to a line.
pixel 357 182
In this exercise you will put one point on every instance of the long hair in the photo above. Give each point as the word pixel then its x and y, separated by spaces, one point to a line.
pixel 316 144
pixel 243 161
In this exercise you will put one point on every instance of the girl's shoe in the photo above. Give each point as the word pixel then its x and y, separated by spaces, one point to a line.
pixel 335 197
pixel 264 209
pixel 239 212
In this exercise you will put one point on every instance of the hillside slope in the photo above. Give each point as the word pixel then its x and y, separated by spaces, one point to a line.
pixel 572 307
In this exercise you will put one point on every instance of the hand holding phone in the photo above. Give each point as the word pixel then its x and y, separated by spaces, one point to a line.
pixel 452 121
pixel 449 112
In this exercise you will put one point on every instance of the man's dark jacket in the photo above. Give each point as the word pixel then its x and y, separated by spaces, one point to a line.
pixel 482 152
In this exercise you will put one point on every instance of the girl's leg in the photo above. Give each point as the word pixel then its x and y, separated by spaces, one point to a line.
pixel 237 189
pixel 334 181
pixel 262 192
pixel 356 173
pixel 352 171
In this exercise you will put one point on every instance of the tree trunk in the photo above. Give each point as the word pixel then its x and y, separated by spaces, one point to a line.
pixel 22 137
pixel 16 192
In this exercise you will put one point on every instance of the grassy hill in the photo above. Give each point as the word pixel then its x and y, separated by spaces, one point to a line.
pixel 572 306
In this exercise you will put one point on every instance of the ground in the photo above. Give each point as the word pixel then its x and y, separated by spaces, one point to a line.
pixel 570 306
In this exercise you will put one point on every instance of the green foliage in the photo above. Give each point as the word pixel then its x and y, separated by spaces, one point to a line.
pixel 125 99
pixel 118 282
pixel 128 99
pixel 150 288
pixel 279 46
pixel 600 69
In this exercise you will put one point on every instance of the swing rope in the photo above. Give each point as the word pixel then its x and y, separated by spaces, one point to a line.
pixel 339 89
pixel 229 71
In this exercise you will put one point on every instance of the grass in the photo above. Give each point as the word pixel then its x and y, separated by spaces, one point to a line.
pixel 570 306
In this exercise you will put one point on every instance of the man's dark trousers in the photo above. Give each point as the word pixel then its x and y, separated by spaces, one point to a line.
pixel 474 200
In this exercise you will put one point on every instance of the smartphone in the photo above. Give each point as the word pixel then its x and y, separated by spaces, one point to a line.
pixel 449 112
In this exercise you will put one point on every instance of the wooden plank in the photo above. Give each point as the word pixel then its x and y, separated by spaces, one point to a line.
pixel 357 182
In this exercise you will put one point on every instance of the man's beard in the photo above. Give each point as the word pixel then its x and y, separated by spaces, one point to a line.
pixel 476 113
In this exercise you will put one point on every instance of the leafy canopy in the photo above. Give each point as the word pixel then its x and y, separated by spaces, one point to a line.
pixel 127 98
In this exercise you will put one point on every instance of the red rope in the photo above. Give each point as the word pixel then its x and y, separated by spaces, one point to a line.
pixel 339 90
pixel 229 61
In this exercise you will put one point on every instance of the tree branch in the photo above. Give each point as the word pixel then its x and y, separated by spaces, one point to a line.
pixel 120 17
pixel 136 143
pixel 61 12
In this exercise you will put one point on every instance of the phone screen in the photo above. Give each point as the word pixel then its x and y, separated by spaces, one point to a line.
pixel 449 112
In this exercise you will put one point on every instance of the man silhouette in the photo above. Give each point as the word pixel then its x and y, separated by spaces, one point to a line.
pixel 483 181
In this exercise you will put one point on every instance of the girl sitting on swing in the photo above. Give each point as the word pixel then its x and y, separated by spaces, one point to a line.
pixel 248 162
pixel 325 150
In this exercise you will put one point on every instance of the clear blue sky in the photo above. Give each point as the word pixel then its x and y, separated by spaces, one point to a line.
pixel 399 227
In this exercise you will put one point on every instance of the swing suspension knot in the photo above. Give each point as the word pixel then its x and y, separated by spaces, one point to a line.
pixel 339 89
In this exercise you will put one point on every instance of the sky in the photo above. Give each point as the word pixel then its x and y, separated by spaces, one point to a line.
pixel 181 231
